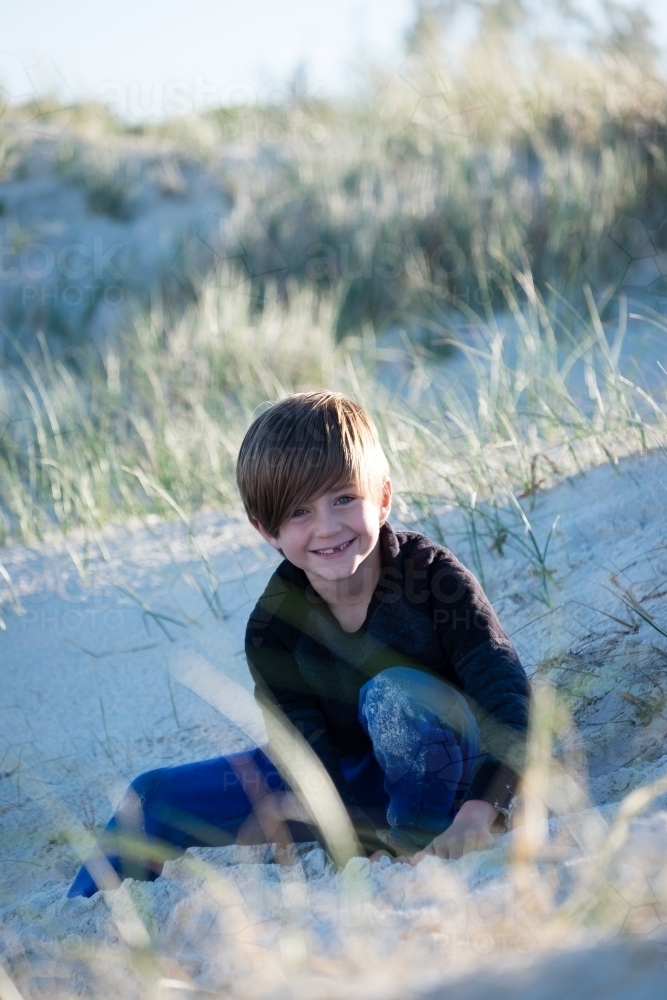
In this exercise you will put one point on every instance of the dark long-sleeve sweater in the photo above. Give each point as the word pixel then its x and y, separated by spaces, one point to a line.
pixel 428 612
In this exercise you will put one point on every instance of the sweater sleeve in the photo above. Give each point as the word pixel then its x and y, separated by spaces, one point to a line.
pixel 490 673
pixel 278 683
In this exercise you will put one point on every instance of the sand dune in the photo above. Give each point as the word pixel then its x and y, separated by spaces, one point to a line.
pixel 97 632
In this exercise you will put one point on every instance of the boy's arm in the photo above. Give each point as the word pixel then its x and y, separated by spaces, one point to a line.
pixel 279 683
pixel 490 674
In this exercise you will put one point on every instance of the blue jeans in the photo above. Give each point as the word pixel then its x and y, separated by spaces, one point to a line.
pixel 413 778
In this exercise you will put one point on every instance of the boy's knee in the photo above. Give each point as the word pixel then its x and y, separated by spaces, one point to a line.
pixel 146 783
pixel 414 698
pixel 394 691
pixel 386 684
pixel 385 707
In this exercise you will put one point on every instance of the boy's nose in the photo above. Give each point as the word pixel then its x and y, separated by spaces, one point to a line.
pixel 327 523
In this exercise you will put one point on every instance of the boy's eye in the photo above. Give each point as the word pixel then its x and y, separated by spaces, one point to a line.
pixel 342 500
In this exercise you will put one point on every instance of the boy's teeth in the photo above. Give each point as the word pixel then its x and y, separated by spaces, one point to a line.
pixel 328 552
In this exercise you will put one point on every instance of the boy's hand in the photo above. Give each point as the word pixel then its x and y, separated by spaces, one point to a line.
pixel 267 822
pixel 470 831
pixel 400 858
pixel 379 855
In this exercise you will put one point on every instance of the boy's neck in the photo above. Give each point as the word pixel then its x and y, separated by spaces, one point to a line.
pixel 353 592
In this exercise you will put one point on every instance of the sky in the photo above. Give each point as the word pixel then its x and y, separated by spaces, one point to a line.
pixel 153 58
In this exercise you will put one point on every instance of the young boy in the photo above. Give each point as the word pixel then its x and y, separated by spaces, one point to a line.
pixel 379 646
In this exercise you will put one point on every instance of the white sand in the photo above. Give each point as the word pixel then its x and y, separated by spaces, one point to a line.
pixel 90 699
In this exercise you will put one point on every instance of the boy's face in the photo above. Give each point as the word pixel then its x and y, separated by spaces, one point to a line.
pixel 330 537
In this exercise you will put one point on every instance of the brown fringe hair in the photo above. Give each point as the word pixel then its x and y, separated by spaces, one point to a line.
pixel 300 448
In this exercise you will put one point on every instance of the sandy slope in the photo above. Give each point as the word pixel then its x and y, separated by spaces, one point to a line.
pixel 90 698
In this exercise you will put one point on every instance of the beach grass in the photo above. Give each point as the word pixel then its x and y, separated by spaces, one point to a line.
pixel 153 422
pixel 554 159
pixel 481 209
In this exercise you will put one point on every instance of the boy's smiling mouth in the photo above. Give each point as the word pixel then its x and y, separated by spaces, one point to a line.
pixel 333 550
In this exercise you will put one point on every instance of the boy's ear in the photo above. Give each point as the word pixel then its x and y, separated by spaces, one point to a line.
pixel 273 542
pixel 385 502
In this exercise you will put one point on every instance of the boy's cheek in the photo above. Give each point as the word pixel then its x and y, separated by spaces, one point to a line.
pixel 284 543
